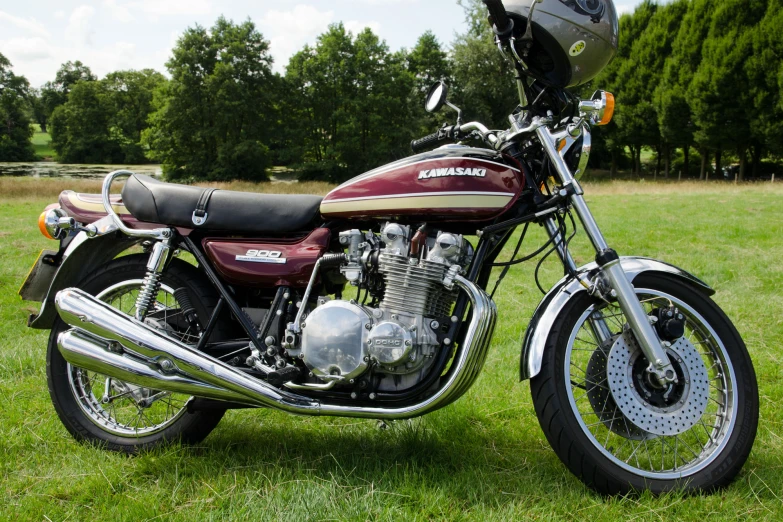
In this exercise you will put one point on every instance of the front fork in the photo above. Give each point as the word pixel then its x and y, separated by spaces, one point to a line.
pixel 609 263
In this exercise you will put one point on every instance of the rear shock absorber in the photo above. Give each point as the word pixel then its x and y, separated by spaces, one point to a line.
pixel 148 293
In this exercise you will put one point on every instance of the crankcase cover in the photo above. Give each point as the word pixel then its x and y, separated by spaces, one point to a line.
pixel 390 344
pixel 334 339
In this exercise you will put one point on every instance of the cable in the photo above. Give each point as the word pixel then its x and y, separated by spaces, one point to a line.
pixel 508 266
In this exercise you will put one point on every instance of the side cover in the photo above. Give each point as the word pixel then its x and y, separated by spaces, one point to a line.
pixel 568 288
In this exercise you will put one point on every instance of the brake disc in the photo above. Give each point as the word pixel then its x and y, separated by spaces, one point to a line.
pixel 660 410
pixel 601 400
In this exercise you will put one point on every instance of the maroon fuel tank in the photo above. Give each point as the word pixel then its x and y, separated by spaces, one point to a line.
pixel 453 183
pixel 267 262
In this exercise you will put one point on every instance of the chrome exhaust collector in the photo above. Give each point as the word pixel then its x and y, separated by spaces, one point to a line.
pixel 108 341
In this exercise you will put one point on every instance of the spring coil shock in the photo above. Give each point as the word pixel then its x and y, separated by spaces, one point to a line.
pixel 149 289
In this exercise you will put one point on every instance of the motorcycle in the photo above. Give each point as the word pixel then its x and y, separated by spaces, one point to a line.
pixel 170 304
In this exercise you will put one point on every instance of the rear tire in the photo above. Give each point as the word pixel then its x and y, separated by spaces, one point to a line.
pixel 81 415
pixel 585 453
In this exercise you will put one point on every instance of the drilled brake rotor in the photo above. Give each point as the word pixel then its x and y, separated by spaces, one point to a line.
pixel 659 410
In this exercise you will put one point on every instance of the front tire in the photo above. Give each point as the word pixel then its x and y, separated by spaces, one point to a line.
pixel 116 421
pixel 578 408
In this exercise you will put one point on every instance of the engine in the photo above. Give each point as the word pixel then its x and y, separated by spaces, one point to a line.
pixel 394 340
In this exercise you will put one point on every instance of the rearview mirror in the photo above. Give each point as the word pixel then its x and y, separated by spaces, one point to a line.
pixel 437 97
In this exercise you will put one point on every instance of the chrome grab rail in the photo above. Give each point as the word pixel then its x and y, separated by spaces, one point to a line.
pixel 158 233
pixel 100 332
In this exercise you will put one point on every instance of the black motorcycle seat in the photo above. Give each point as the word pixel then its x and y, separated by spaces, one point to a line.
pixel 154 201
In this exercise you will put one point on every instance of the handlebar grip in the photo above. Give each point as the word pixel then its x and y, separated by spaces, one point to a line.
pixel 425 142
pixel 503 24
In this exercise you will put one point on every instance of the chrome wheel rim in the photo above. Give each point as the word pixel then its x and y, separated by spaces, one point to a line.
pixel 122 408
pixel 653 456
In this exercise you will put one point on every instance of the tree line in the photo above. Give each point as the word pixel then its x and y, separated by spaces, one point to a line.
pixel 695 81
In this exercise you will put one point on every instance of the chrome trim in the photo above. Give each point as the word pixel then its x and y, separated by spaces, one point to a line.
pixel 82 350
pixel 568 288
pixel 624 291
pixel 158 233
pixel 139 341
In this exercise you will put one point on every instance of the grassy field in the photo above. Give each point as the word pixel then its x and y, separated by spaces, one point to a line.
pixel 483 458
pixel 42 143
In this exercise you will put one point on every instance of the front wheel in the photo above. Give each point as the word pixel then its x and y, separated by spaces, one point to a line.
pixel 616 427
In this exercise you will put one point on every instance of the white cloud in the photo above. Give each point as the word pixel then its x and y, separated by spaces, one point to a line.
pixel 357 27
pixel 22 50
pixel 289 31
pixel 154 9
pixel 59 14
pixel 118 12
pixel 30 25
pixel 625 6
pixel 79 30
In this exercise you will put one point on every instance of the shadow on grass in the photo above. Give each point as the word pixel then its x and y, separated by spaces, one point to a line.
pixel 454 456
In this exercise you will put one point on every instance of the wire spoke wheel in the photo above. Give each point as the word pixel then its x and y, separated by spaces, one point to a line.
pixel 122 408
pixel 616 426
pixel 625 440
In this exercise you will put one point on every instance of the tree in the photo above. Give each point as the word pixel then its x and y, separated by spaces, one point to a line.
pixel 129 97
pixel 484 83
pixel 54 94
pixel 80 128
pixel 616 136
pixel 428 63
pixel 15 128
pixel 215 115
pixel 720 99
pixel 38 108
pixel 765 72
pixel 103 121
pixel 641 73
pixel 675 119
pixel 350 104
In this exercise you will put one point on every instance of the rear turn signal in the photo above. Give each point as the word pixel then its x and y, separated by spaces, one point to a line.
pixel 49 223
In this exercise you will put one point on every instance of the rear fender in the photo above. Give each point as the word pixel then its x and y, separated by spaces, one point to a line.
pixel 567 289
pixel 82 257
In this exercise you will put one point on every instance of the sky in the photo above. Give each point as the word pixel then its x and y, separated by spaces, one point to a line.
pixel 109 35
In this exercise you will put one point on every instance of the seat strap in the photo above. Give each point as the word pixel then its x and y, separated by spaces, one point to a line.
pixel 200 215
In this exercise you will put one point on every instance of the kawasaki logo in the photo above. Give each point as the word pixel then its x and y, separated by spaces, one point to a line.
pixel 442 173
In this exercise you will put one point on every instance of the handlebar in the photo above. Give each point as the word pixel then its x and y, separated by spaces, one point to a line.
pixel 455 133
pixel 503 24
pixel 425 142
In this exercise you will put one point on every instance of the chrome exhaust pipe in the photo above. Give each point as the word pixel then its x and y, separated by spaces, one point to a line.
pixel 169 365
pixel 97 355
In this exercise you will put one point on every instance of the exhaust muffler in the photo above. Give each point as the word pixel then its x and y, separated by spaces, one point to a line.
pixel 110 342
pixel 96 355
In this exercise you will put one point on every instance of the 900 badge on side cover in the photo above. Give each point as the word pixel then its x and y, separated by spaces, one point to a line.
pixel 263 256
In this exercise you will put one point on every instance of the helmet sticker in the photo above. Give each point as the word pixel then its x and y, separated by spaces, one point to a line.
pixel 577 48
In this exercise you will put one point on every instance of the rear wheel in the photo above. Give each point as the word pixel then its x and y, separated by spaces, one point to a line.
pixel 119 415
pixel 619 430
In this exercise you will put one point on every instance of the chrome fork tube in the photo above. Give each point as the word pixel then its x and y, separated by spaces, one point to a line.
pixel 610 265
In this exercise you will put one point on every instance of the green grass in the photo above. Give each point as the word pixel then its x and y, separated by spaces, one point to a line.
pixel 42 143
pixel 482 458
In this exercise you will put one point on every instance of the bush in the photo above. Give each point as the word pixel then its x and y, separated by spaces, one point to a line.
pixel 330 171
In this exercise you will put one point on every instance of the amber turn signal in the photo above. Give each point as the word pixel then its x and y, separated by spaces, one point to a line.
pixel 42 225
pixel 608 112
pixel 49 223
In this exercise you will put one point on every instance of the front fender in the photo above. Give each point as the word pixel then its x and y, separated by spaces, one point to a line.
pixel 568 288
pixel 83 256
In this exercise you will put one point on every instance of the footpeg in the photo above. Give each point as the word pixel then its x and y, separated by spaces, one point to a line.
pixel 283 375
